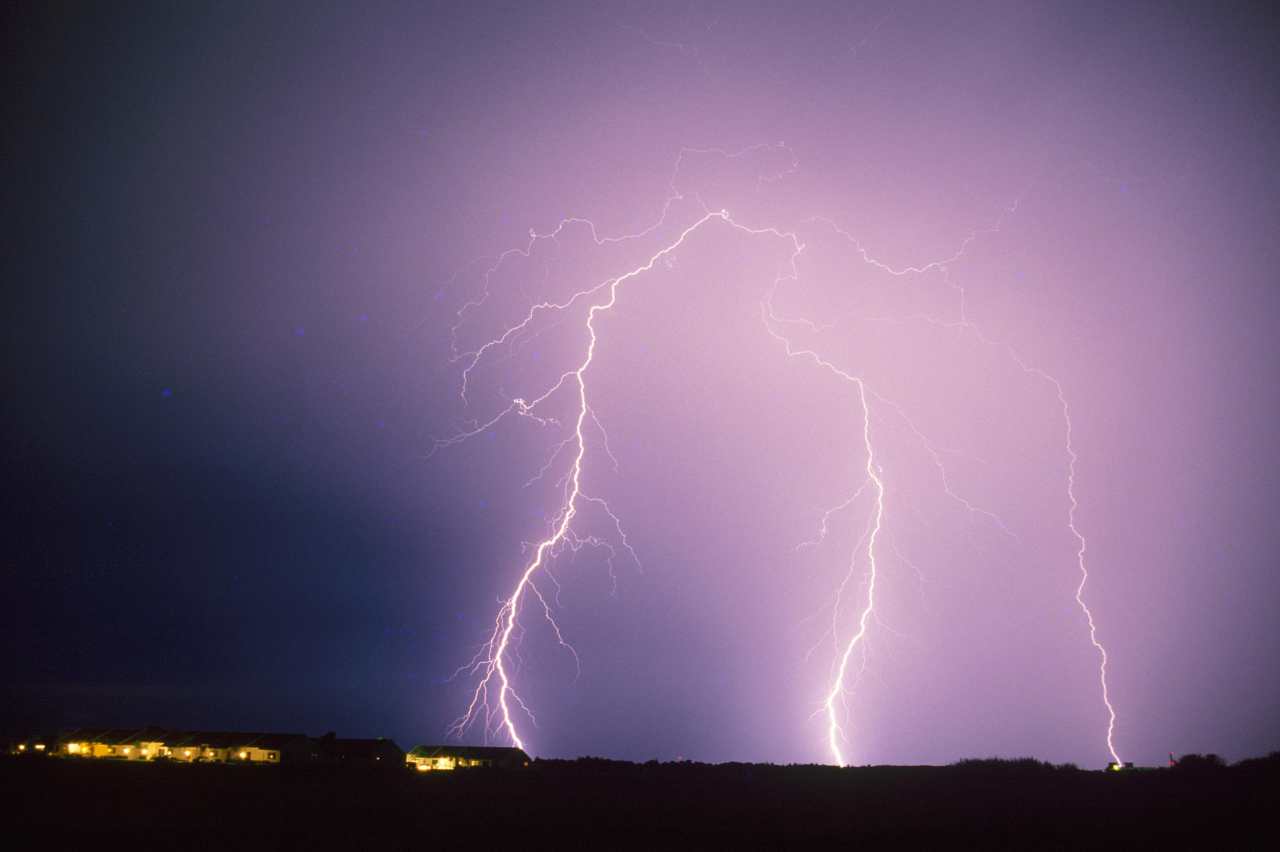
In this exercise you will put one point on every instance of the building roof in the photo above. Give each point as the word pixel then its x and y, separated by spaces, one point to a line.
pixel 115 736
pixel 495 753
pixel 149 734
pixel 277 741
pixel 347 748
pixel 84 735
pixel 360 748
pixel 232 739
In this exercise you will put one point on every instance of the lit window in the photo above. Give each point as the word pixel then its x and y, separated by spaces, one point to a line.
pixel 39 746
pixel 73 748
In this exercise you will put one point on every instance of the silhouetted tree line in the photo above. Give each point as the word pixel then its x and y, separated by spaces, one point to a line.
pixel 1012 765
pixel 1199 763
pixel 595 802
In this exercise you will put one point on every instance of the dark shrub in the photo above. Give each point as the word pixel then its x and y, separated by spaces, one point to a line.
pixel 1199 763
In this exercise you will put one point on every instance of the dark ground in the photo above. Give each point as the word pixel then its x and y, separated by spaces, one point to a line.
pixel 596 804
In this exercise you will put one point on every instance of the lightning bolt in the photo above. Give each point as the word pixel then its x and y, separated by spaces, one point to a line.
pixel 1082 546
pixel 494 702
pixel 1073 504
pixel 493 666
pixel 835 732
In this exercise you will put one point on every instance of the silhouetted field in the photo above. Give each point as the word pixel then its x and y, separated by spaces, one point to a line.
pixel 599 804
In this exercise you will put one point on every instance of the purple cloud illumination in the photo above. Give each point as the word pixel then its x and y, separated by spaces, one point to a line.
pixel 940 463
pixel 710 380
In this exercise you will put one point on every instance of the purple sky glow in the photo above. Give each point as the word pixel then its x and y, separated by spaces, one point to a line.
pixel 268 248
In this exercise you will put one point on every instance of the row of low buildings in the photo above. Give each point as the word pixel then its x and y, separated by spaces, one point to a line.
pixel 262 749
pixel 427 758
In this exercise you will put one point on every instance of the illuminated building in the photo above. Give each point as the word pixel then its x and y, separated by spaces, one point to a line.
pixel 36 747
pixel 236 747
pixel 148 744
pixel 227 747
pixel 431 758
pixel 118 743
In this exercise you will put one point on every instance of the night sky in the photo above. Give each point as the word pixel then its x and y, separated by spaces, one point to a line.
pixel 238 239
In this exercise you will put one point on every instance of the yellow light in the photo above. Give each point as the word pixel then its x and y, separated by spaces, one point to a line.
pixel 39 746
pixel 127 749
pixel 74 748
pixel 22 747
pixel 186 752
pixel 145 752
pixel 422 767
pixel 243 755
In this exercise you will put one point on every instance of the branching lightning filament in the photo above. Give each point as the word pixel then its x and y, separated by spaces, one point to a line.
pixel 833 704
pixel 495 706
